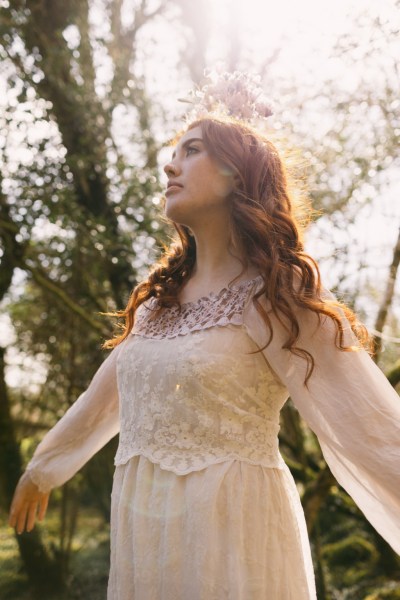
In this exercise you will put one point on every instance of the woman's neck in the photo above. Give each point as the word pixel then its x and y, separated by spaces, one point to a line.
pixel 216 266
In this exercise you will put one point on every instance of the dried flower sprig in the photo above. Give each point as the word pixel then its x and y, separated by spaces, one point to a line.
pixel 236 94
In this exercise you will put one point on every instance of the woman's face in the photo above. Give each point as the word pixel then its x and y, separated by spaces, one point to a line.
pixel 197 185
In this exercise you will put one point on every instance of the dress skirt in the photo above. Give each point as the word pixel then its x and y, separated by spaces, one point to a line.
pixel 231 531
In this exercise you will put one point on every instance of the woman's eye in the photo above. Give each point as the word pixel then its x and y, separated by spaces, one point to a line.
pixel 190 150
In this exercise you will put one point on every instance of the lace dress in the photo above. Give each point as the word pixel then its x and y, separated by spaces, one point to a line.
pixel 203 505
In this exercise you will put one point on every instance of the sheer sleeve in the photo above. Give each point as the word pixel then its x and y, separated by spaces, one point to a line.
pixel 350 406
pixel 85 428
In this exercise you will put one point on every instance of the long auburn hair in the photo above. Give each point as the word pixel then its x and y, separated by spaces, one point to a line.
pixel 266 221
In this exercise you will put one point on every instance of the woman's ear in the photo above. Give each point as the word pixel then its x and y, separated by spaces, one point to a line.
pixel 236 181
pixel 188 230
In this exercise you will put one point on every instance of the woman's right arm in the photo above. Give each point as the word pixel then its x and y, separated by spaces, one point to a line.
pixel 350 406
pixel 85 428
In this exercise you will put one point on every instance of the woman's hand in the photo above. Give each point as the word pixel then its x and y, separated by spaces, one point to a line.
pixel 28 503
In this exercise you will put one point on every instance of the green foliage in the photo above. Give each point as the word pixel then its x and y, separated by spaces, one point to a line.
pixel 385 593
pixel 349 552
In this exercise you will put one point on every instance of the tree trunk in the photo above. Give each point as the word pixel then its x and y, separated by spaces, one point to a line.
pixel 42 571
pixel 315 495
pixel 394 374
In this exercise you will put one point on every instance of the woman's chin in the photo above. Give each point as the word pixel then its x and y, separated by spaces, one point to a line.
pixel 174 214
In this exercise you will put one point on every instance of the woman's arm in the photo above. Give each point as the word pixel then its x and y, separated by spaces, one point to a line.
pixel 85 428
pixel 350 406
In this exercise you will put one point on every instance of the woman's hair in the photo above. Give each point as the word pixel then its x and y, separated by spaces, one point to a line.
pixel 267 224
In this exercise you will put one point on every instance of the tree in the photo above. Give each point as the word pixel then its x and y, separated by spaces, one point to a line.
pixel 75 216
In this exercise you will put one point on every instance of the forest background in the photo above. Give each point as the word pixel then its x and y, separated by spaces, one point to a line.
pixel 88 104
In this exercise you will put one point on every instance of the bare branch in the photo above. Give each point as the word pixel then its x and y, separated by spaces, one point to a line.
pixel 388 296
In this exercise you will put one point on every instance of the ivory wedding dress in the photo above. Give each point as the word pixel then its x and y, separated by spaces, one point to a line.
pixel 203 505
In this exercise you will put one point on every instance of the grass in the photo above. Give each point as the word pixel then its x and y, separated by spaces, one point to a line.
pixel 89 563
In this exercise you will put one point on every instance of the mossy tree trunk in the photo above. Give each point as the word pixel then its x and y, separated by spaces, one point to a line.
pixel 43 572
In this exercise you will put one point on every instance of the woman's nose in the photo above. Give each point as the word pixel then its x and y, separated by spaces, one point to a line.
pixel 171 169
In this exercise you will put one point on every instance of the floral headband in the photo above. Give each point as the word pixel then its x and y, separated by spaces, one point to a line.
pixel 236 94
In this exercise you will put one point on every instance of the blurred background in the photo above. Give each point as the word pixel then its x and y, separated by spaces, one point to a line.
pixel 88 104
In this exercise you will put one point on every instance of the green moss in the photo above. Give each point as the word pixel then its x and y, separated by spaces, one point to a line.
pixel 350 551
pixel 390 592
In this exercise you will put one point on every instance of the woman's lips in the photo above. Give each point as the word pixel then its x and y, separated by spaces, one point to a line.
pixel 173 188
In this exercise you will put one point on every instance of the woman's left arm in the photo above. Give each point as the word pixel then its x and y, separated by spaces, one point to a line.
pixel 350 406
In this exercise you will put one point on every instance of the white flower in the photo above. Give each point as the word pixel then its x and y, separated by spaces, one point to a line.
pixel 233 94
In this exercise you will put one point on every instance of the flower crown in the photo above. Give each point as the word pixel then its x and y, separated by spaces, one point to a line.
pixel 236 94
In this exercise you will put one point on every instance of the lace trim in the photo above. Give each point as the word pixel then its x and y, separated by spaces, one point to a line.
pixel 42 481
pixel 269 462
pixel 222 308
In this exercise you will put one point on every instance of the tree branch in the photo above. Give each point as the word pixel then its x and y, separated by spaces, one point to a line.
pixel 388 297
pixel 53 288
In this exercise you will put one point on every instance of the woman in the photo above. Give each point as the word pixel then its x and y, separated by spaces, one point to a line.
pixel 230 322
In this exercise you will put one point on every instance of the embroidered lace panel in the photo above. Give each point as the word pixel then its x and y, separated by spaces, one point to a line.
pixel 214 309
pixel 188 401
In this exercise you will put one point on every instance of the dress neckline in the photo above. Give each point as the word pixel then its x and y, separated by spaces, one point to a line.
pixel 216 295
pixel 220 308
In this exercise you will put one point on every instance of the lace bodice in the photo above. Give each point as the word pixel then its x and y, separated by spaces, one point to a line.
pixel 191 394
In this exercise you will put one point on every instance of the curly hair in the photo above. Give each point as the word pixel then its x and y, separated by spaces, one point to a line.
pixel 266 220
